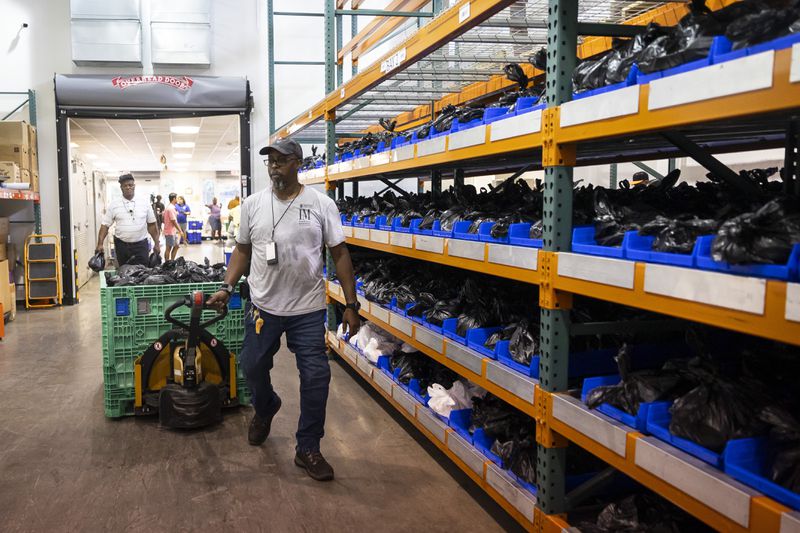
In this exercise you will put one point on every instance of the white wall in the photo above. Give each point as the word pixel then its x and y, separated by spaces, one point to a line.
pixel 30 59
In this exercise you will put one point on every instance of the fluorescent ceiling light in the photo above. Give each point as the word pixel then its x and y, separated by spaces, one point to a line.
pixel 90 156
pixel 188 130
pixel 182 156
pixel 74 145
pixel 183 144
pixel 182 169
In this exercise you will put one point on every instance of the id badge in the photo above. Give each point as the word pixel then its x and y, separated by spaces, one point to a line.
pixel 272 253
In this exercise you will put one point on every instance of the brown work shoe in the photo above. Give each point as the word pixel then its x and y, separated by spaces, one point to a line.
pixel 315 464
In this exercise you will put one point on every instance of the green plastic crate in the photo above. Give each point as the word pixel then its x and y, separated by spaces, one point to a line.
pixel 133 317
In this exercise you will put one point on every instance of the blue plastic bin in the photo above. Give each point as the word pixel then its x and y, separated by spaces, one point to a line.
pixel 449 327
pixel 485 234
pixel 382 223
pixel 658 419
pixel 484 445
pixel 583 242
pixel 460 420
pixel 493 114
pixel 631 79
pixel 461 126
pixel 785 272
pixel 398 227
pixel 637 421
pixel 460 231
pixel 433 327
pixel 519 235
pixel 640 248
pixel 476 339
pixel 748 460
pixel 415 228
pixel 526 104
pixel 418 394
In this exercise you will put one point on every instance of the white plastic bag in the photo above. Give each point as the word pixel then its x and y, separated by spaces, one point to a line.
pixel 440 400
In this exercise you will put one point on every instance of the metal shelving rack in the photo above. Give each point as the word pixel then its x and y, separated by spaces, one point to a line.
pixel 454 58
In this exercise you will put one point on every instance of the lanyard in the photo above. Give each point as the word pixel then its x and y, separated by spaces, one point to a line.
pixel 272 203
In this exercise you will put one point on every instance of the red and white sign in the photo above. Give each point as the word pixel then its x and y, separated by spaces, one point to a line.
pixel 182 83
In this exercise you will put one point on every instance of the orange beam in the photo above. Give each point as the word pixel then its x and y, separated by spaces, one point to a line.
pixel 386 28
pixel 377 24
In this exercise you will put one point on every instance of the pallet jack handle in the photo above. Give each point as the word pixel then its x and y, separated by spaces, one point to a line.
pixel 196 302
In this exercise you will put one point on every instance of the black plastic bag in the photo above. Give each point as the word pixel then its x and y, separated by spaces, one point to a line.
pixel 524 342
pixel 761 26
pixel 98 262
pixel 677 235
pixel 154 260
pixel 764 236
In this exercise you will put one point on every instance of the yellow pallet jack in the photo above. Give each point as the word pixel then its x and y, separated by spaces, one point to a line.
pixel 187 376
pixel 42 259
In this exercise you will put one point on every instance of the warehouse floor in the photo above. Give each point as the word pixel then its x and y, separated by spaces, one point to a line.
pixel 66 467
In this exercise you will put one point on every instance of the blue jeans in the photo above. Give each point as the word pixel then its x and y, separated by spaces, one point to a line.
pixel 305 336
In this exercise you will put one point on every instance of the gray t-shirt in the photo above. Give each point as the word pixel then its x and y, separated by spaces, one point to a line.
pixel 294 286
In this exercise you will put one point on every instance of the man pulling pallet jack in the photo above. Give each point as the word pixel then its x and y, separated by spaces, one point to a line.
pixel 281 233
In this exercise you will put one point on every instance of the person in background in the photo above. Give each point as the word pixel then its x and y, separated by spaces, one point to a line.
pixel 215 219
pixel 234 214
pixel 158 209
pixel 183 213
pixel 172 231
pixel 132 219
pixel 282 234
pixel 233 203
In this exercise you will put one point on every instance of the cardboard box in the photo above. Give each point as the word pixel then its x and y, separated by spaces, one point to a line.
pixel 25 177
pixel 35 181
pixel 10 169
pixel 32 144
pixel 15 132
pixel 17 153
pixel 34 159
pixel 4 228
pixel 5 294
pixel 3 253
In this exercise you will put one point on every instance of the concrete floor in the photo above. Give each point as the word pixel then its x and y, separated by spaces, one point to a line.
pixel 65 467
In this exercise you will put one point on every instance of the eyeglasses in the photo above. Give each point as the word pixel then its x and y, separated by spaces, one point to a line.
pixel 278 162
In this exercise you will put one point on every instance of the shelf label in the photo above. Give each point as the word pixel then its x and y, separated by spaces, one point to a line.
pixel 380 313
pixel 432 340
pixel 466 249
pixel 432 424
pixel 793 302
pixel 464 356
pixel 365 304
pixel 432 146
pixel 697 479
pixel 615 272
pixel 466 138
pixel 403 153
pixel 518 497
pixel 794 69
pixel 346 166
pixel 380 159
pixel 335 289
pixel 351 352
pixel 379 236
pixel 341 93
pixel 404 240
pixel 383 381
pixel 790 522
pixel 463 13
pixel 524 124
pixel 749 73
pixel 402 324
pixel 309 114
pixel 393 61
pixel 363 364
pixel 612 104
pixel 739 293
pixel 361 233
pixel 361 162
pixel 426 243
pixel 464 451
pixel 511 380
pixel 598 427
pixel 333 340
pixel 405 400
pixel 347 230
pixel 515 256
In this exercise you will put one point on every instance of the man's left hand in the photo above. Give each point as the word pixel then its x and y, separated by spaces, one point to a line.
pixel 352 320
pixel 156 249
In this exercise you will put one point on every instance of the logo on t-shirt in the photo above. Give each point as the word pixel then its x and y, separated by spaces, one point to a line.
pixel 304 216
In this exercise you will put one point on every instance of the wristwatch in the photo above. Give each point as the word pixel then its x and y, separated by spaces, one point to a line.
pixel 227 287
pixel 355 306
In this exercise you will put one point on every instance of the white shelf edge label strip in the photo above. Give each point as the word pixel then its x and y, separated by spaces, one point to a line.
pixel 462 449
pixel 612 104
pixel 463 356
pixel 347 230
pixel 615 272
pixel 401 323
pixel 379 236
pixel 380 313
pixel 713 288
pixel 515 256
pixel 511 491
pixel 404 240
pixel 793 303
pixel 432 146
pixel 403 153
pixel 426 243
pixel 696 478
pixel 592 424
pixel 361 233
pixel 466 249
pixel 432 340
pixel 521 386
pixel 790 522
pixel 794 69
pixel 471 137
pixel 524 124
pixel 749 73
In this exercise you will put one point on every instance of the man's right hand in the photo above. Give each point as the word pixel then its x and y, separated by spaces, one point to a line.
pixel 218 300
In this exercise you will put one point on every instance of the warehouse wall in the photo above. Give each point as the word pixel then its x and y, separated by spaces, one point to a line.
pixel 30 57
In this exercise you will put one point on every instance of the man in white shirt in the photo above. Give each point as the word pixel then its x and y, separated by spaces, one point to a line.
pixel 133 219
pixel 281 237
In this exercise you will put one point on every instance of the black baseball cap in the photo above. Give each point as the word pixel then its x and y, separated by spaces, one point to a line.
pixel 126 177
pixel 285 147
